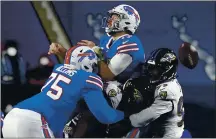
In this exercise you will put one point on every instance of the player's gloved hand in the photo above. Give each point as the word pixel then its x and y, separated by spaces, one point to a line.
pixel 132 93
pixel 98 52
pixel 132 99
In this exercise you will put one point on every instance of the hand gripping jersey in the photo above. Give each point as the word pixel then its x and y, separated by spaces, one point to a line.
pixel 114 52
pixel 62 91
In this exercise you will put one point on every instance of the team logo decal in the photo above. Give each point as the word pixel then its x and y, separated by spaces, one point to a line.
pixel 131 11
pixel 112 93
pixel 169 57
pixel 163 94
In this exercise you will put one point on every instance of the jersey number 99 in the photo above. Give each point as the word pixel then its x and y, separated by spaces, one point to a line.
pixel 54 87
pixel 180 111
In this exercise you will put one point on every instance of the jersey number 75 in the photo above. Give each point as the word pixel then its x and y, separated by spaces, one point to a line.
pixel 54 87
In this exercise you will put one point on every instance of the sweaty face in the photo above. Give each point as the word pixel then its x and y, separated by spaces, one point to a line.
pixel 114 18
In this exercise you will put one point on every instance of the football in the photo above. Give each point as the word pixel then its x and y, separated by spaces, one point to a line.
pixel 188 55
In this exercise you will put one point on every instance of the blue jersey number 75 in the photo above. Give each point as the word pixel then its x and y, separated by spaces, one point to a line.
pixel 54 87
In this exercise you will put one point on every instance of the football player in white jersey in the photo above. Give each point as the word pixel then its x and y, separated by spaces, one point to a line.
pixel 165 117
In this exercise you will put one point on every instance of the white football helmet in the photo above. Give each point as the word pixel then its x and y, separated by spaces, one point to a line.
pixel 129 19
pixel 82 57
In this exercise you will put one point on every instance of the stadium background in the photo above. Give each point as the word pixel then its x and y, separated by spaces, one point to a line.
pixel 81 20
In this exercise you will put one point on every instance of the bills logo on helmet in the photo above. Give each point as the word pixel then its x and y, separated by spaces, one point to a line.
pixel 90 54
pixel 131 11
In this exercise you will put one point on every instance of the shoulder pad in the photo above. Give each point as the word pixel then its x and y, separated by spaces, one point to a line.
pixel 104 38
pixel 126 37
pixel 164 92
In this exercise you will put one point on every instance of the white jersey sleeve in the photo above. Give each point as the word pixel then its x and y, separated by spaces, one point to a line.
pixel 151 113
pixel 168 98
pixel 119 63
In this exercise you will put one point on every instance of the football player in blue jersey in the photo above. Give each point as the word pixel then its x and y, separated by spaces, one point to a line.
pixel 120 51
pixel 46 114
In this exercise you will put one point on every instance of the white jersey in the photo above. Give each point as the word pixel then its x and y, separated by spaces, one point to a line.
pixel 167 111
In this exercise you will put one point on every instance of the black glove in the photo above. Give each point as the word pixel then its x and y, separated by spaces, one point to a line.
pixel 131 92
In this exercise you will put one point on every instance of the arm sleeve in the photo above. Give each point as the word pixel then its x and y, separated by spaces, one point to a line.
pixel 94 82
pixel 119 63
pixel 130 47
pixel 101 110
pixel 144 117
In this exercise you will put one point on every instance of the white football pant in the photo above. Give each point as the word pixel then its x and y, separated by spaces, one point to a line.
pixel 26 124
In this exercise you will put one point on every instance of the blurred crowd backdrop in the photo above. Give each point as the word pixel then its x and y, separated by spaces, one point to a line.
pixel 28 28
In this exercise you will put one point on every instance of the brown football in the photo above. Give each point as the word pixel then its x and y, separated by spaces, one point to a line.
pixel 188 55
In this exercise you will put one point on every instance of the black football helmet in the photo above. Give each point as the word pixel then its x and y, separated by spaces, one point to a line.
pixel 161 65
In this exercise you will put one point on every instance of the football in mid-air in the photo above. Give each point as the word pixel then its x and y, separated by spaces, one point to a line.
pixel 188 55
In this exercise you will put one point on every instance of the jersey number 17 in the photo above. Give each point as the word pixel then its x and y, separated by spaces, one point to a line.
pixel 55 87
